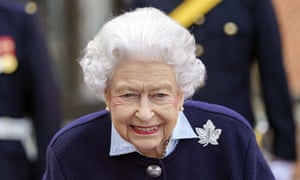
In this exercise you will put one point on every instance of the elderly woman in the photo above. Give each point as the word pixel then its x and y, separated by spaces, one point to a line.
pixel 144 67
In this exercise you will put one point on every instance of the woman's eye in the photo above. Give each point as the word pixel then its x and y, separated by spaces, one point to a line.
pixel 127 95
pixel 160 95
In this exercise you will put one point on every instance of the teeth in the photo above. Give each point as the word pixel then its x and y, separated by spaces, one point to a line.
pixel 146 129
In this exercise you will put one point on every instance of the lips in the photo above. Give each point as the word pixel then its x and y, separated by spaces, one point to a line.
pixel 145 130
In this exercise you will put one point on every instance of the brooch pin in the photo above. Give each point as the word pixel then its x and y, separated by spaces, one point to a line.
pixel 208 134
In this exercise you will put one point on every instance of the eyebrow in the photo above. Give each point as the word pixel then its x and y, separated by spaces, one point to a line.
pixel 126 85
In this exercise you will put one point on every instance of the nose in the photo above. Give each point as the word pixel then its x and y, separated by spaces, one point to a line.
pixel 144 110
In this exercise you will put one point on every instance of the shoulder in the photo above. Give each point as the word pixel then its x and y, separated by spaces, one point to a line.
pixel 199 113
pixel 20 17
pixel 18 11
pixel 231 130
pixel 97 123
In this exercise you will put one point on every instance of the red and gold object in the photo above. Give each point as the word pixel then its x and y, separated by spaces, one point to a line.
pixel 8 60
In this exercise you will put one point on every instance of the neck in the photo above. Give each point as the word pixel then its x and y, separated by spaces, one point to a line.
pixel 160 153
pixel 164 151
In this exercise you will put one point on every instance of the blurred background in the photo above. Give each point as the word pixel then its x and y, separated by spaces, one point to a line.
pixel 69 24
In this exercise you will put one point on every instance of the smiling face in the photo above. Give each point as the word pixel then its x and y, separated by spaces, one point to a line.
pixel 144 100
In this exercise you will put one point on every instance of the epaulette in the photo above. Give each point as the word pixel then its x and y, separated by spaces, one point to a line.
pixel 191 11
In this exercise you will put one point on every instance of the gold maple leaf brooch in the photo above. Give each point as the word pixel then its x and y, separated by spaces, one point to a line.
pixel 208 134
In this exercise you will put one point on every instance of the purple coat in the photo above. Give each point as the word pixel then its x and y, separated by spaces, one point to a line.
pixel 81 151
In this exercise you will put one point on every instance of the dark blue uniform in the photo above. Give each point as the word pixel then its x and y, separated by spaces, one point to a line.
pixel 231 38
pixel 27 89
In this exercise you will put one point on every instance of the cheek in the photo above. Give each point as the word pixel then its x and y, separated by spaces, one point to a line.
pixel 120 117
pixel 116 102
pixel 118 110
pixel 121 107
pixel 175 101
pixel 170 125
pixel 170 113
pixel 120 113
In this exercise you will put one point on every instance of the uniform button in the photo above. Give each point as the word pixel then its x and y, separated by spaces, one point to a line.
pixel 31 7
pixel 200 21
pixel 154 171
pixel 199 50
pixel 230 28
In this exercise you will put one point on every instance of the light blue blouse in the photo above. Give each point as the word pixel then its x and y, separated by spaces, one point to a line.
pixel 182 130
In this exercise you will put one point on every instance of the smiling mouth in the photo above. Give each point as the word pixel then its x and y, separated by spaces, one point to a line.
pixel 145 130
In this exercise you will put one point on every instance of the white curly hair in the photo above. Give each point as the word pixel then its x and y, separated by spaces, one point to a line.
pixel 143 34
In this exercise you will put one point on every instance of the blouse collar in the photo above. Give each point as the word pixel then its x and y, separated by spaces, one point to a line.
pixel 182 130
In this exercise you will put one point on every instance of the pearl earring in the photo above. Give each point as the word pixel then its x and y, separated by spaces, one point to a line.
pixel 107 108
pixel 182 108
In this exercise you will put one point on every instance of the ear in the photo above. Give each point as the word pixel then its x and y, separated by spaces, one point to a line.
pixel 106 97
pixel 181 100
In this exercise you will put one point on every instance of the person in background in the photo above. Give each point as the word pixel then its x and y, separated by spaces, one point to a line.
pixel 231 37
pixel 143 66
pixel 30 111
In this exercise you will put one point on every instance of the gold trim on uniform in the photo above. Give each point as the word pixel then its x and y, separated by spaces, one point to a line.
pixel 31 7
pixel 230 28
pixel 189 11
